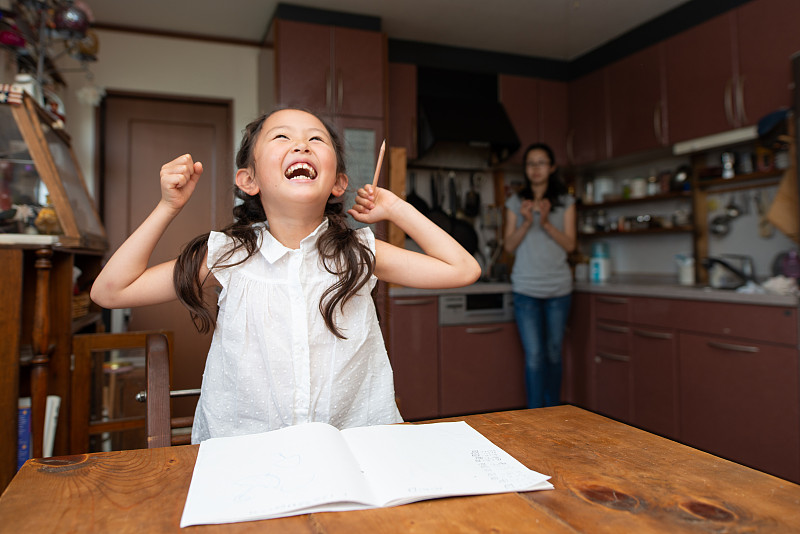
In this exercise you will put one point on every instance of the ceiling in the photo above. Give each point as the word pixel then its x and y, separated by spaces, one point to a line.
pixel 554 29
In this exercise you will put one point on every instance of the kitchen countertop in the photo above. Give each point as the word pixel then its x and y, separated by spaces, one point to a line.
pixel 659 286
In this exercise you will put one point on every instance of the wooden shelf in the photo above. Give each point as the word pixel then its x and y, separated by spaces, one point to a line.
pixel 649 231
pixel 640 200
pixel 741 181
pixel 82 322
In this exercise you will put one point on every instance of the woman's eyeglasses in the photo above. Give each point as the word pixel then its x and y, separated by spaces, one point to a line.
pixel 537 163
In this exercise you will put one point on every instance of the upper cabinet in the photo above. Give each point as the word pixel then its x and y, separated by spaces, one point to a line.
pixel 330 70
pixel 538 111
pixel 403 107
pixel 587 140
pixel 732 70
pixel 637 103
pixel 767 37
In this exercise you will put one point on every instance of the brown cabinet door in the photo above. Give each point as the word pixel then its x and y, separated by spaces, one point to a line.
pixel 553 124
pixel 403 107
pixel 359 63
pixel 767 35
pixel 741 401
pixel 482 369
pixel 414 353
pixel 520 98
pixel 577 351
pixel 587 140
pixel 700 80
pixel 654 363
pixel 303 62
pixel 612 384
pixel 636 104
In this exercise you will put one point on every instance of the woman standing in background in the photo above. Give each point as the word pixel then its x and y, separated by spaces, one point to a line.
pixel 540 232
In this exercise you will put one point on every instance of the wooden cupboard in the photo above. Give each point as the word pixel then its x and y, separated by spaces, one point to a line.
pixel 538 111
pixel 403 108
pixel 45 273
pixel 637 102
pixel 587 140
pixel 723 377
pixel 330 70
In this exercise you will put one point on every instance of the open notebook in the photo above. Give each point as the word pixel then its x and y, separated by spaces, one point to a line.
pixel 316 468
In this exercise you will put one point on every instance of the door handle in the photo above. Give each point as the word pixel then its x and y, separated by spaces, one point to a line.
pixel 484 330
pixel 612 328
pixel 611 356
pixel 414 302
pixel 731 346
pixel 653 335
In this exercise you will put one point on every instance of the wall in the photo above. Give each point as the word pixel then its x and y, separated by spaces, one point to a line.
pixel 162 65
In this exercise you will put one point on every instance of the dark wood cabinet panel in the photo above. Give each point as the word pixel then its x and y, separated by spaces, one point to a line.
pixel 520 98
pixel 587 140
pixel 482 369
pixel 578 352
pixel 612 384
pixel 553 111
pixel 330 70
pixel 403 107
pixel 700 79
pixel 767 37
pixel 636 103
pixel 741 401
pixel 414 353
pixel 654 361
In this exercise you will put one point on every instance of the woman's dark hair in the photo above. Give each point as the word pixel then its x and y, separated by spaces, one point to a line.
pixel 342 253
pixel 556 188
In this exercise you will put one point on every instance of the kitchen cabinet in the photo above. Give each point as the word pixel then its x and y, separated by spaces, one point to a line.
pixel 587 139
pixel 723 377
pixel 767 37
pixel 740 399
pixel 330 70
pixel 414 353
pixel 577 351
pixel 636 101
pixel 481 369
pixel 538 111
pixel 45 272
pixel 403 107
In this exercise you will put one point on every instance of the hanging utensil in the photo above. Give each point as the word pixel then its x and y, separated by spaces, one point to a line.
pixel 765 228
pixel 472 202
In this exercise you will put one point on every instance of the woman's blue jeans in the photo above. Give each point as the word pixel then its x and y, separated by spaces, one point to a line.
pixel 541 324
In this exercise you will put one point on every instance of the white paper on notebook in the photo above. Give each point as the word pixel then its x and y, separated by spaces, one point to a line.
pixel 316 468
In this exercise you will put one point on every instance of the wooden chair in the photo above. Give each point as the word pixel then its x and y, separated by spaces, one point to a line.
pixel 159 422
pixel 88 395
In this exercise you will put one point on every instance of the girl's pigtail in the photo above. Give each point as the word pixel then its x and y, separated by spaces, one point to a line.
pixel 342 254
pixel 189 287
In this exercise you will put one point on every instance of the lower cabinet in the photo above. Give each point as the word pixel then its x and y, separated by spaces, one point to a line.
pixel 722 377
pixel 452 370
pixel 740 400
pixel 481 369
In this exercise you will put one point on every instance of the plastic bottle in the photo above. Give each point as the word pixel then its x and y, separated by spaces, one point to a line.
pixel 599 263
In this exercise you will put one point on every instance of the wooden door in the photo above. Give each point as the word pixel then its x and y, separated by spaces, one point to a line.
pixel 141 134
pixel 553 118
pixel 520 98
pixel 403 107
pixel 654 361
pixel 587 140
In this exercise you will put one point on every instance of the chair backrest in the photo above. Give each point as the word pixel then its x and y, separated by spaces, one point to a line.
pixel 87 385
pixel 159 420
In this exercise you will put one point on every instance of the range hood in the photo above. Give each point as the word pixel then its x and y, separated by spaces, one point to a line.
pixel 460 113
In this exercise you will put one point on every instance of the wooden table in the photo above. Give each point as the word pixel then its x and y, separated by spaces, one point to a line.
pixel 608 477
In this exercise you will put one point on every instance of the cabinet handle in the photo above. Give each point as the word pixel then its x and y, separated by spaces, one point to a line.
pixel 611 356
pixel 657 123
pixel 728 103
pixel 484 330
pixel 328 88
pixel 414 302
pixel 340 92
pixel 612 300
pixel 731 346
pixel 613 328
pixel 740 102
pixel 654 335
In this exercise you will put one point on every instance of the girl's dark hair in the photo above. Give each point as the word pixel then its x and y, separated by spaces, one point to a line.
pixel 342 253
pixel 556 188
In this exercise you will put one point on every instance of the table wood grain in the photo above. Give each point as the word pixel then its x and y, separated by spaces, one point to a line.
pixel 608 478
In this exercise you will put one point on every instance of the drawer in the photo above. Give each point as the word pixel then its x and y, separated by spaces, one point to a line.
pixel 613 307
pixel 612 337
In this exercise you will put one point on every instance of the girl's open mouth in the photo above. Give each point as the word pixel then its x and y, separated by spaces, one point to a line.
pixel 300 170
